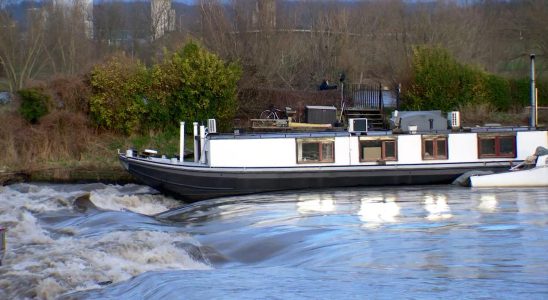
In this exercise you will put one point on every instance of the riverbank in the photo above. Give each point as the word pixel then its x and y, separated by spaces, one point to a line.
pixel 32 154
pixel 77 173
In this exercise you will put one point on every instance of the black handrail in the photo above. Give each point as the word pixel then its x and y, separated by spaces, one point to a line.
pixel 364 96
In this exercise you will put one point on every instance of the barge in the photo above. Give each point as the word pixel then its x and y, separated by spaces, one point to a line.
pixel 247 163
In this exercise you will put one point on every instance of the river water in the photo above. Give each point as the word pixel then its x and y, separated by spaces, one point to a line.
pixel 99 241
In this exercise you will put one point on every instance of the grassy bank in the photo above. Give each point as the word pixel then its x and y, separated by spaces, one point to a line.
pixel 64 147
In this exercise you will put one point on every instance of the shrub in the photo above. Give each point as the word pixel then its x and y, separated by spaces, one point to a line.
pixel 498 92
pixel 119 87
pixel 193 85
pixel 72 93
pixel 440 82
pixel 34 104
pixel 520 90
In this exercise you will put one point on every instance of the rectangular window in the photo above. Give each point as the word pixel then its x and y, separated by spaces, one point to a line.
pixel 491 145
pixel 378 149
pixel 315 151
pixel 434 147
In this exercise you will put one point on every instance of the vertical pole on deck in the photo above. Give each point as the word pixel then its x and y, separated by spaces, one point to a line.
pixel 182 142
pixel 196 140
pixel 532 122
pixel 202 144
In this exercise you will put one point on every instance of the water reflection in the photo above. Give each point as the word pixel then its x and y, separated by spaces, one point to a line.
pixel 437 207
pixel 313 203
pixel 488 203
pixel 374 211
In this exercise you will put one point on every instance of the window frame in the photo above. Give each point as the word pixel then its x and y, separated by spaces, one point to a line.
pixel 384 141
pixel 320 142
pixel 434 139
pixel 497 138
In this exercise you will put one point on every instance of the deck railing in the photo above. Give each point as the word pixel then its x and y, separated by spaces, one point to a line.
pixel 363 96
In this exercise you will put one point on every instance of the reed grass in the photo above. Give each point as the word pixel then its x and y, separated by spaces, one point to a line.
pixel 64 146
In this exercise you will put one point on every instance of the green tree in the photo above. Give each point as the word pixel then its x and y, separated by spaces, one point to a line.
pixel 439 81
pixel 119 88
pixel 193 85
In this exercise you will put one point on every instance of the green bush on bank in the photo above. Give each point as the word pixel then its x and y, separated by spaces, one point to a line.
pixel 118 92
pixel 34 104
pixel 191 85
pixel 498 92
pixel 440 82
pixel 521 91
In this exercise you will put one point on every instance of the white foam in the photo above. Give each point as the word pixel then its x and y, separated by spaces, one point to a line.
pixel 37 199
pixel 143 203
pixel 28 231
pixel 39 264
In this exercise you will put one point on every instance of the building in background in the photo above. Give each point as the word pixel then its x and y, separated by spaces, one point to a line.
pixel 83 7
pixel 163 18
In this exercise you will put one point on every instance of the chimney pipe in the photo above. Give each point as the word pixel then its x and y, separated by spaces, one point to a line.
pixel 532 122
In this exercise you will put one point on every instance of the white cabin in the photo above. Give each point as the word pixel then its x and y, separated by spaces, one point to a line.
pixel 347 149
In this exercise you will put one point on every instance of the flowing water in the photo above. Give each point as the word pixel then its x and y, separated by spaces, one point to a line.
pixel 100 241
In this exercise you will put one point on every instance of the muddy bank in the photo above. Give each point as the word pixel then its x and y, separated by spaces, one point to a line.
pixel 79 174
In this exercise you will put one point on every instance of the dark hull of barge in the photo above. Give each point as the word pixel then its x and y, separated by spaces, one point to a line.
pixel 192 183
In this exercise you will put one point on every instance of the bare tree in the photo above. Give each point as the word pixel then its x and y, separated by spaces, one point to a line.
pixel 68 37
pixel 22 49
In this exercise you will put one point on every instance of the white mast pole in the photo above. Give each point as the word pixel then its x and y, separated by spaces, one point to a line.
pixel 202 144
pixel 196 146
pixel 182 142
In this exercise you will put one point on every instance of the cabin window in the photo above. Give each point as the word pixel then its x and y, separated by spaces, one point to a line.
pixel 378 149
pixel 496 146
pixel 434 147
pixel 315 151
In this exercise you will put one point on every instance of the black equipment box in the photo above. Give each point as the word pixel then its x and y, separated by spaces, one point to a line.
pixel 320 114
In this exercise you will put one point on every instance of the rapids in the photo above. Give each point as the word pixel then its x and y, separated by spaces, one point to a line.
pixel 97 241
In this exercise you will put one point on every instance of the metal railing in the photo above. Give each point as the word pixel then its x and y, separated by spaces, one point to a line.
pixel 363 96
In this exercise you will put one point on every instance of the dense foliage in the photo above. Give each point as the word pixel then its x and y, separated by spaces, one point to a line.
pixel 191 85
pixel 34 104
pixel 119 87
pixel 440 82
pixel 520 90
